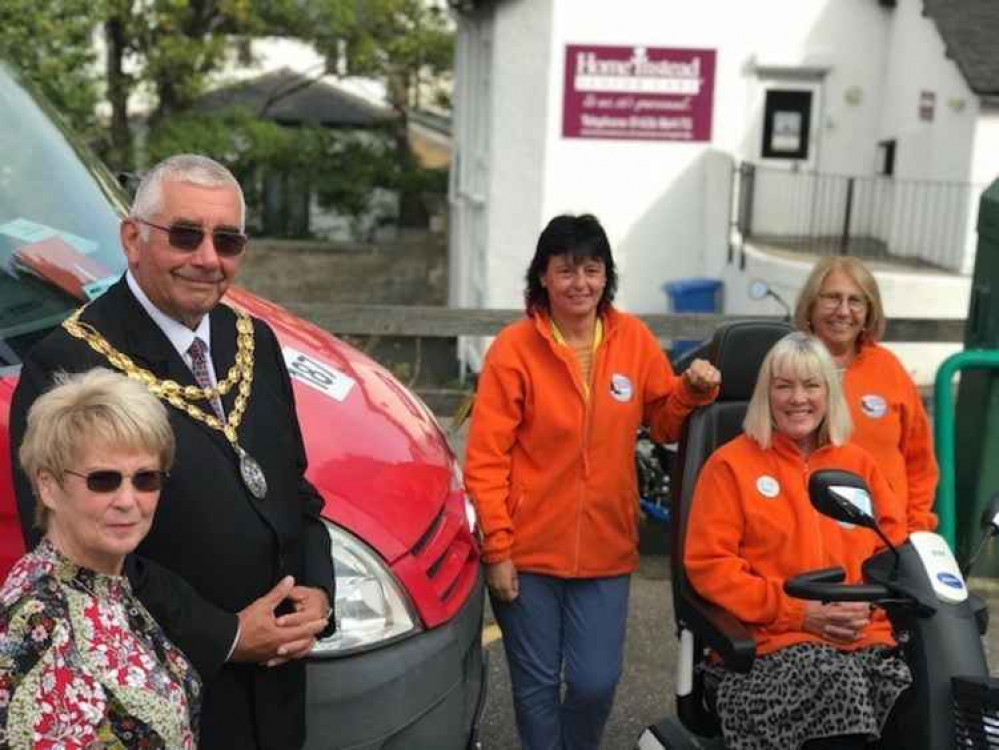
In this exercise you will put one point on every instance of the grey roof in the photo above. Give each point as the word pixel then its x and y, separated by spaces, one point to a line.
pixel 970 31
pixel 307 101
pixel 430 120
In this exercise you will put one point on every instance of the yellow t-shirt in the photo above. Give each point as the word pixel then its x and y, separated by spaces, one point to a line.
pixel 584 354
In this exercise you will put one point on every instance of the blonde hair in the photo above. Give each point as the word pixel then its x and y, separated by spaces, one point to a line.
pixel 93 408
pixel 875 322
pixel 804 356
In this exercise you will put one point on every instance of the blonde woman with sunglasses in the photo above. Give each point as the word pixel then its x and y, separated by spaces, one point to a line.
pixel 84 662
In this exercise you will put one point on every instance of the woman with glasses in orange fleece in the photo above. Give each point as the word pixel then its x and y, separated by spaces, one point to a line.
pixel 85 664
pixel 841 305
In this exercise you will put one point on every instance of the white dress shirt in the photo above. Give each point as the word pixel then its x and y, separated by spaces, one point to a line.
pixel 178 334
pixel 181 337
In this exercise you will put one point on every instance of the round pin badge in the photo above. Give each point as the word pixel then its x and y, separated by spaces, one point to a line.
pixel 873 405
pixel 621 388
pixel 767 486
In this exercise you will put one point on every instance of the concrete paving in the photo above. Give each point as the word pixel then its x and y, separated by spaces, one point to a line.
pixel 645 693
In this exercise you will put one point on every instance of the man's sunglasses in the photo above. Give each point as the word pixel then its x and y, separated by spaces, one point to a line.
pixel 109 480
pixel 186 237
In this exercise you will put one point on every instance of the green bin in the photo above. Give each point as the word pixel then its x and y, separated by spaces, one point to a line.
pixel 976 434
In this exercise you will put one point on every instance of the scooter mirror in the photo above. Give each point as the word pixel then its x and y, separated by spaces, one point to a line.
pixel 842 496
pixel 758 289
pixel 990 516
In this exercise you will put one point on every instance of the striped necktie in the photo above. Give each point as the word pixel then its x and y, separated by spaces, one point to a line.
pixel 199 366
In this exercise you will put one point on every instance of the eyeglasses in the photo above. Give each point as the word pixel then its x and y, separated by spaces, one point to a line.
pixel 109 480
pixel 831 301
pixel 186 237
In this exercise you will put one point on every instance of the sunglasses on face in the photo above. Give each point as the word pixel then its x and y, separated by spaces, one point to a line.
pixel 186 237
pixel 109 480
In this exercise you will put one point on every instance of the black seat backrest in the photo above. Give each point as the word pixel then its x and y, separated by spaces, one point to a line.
pixel 737 350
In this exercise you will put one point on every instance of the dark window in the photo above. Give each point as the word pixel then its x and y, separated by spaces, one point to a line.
pixel 886 157
pixel 787 117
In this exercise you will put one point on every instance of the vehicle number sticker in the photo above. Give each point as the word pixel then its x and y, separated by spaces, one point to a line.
pixel 327 380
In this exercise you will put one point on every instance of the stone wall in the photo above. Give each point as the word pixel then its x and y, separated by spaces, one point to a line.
pixel 408 272
pixel 411 272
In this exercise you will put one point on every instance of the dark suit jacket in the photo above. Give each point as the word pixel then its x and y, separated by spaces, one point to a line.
pixel 209 530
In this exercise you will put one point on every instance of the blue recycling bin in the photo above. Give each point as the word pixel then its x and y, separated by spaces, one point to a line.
pixel 696 295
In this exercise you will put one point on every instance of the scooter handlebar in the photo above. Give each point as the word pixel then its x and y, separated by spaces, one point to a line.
pixel 826 585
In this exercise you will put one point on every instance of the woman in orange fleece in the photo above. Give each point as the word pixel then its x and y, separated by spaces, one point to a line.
pixel 841 304
pixel 826 675
pixel 550 467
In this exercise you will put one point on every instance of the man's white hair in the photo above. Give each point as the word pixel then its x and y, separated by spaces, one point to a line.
pixel 192 168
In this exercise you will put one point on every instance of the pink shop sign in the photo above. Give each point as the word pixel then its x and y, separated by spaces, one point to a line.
pixel 638 93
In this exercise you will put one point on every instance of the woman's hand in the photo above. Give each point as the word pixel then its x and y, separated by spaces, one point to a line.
pixel 701 376
pixel 501 578
pixel 837 621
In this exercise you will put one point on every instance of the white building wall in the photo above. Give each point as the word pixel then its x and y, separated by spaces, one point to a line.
pixel 665 204
pixel 658 200
pixel 522 60
pixel 844 39
pixel 940 149
pixel 985 159
pixel 937 149
pixel 661 201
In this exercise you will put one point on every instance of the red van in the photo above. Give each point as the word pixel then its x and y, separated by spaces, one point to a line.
pixel 405 669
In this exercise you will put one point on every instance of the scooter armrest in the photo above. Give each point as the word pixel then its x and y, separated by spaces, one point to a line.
pixel 721 631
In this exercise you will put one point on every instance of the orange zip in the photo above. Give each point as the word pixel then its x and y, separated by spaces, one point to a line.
pixel 587 414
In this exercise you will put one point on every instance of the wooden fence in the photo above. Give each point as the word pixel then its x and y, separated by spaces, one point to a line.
pixel 449 322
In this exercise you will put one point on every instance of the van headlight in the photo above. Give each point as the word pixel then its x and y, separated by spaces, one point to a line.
pixel 371 607
pixel 458 487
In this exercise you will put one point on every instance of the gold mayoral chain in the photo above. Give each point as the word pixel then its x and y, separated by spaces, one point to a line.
pixel 180 396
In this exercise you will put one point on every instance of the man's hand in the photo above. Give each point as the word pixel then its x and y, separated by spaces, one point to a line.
pixel 264 638
pixel 501 578
pixel 701 376
pixel 310 604
pixel 837 621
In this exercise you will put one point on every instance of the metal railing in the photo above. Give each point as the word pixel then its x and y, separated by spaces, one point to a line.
pixel 944 431
pixel 919 222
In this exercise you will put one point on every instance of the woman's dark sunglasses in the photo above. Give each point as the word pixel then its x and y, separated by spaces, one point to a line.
pixel 109 480
pixel 186 237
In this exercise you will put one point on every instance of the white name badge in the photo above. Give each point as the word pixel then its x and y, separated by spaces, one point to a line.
pixel 621 387
pixel 873 405
pixel 767 486
pixel 318 375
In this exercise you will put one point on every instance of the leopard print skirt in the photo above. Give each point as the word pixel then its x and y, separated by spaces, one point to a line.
pixel 806 692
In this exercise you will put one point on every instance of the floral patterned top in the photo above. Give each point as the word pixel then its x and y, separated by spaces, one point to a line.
pixel 83 665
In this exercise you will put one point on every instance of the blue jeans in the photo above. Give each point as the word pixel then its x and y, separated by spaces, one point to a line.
pixel 571 628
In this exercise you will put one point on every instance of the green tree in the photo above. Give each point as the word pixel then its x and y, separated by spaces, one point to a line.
pixel 342 168
pixel 168 50
pixel 52 43
pixel 409 44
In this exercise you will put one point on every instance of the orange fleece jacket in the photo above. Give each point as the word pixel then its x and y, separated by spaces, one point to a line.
pixel 889 421
pixel 552 472
pixel 752 527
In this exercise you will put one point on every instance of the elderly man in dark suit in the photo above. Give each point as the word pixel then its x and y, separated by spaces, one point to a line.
pixel 237 567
